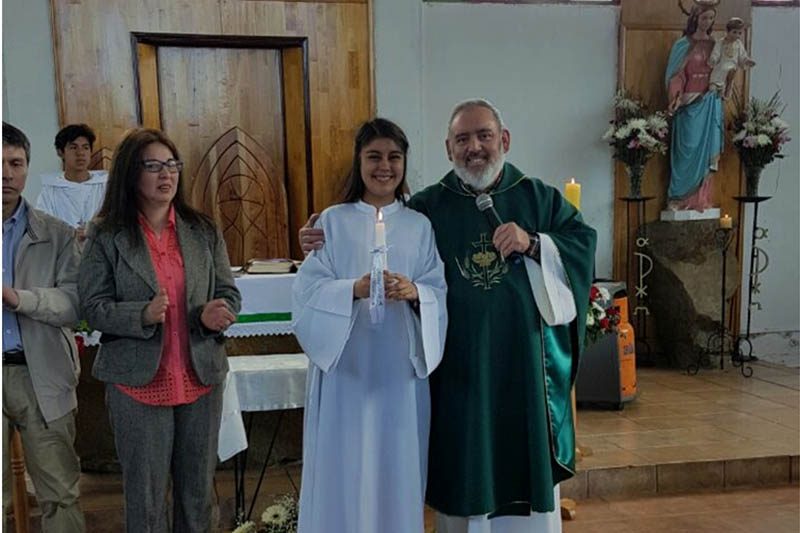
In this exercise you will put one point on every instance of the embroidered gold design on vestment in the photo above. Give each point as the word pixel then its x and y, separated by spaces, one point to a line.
pixel 484 268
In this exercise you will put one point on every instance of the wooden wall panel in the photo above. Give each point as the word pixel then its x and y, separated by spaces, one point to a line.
pixel 95 73
pixel 207 91
pixel 339 76
pixel 147 77
pixel 299 188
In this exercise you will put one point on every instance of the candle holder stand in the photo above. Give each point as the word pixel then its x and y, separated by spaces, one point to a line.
pixel 721 341
pixel 641 268
pixel 739 356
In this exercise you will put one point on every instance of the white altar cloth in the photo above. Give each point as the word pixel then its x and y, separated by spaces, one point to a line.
pixel 258 383
pixel 266 305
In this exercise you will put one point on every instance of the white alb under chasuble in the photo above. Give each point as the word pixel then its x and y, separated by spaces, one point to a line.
pixel 367 414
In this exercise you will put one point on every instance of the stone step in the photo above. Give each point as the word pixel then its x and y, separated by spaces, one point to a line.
pixel 681 476
pixel 101 496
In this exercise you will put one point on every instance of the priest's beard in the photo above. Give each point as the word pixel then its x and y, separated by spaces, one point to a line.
pixel 481 180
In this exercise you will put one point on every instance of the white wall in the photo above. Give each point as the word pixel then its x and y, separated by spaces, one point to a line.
pixel 776 49
pixel 29 95
pixel 551 70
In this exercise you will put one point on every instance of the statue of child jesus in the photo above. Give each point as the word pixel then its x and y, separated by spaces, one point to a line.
pixel 728 56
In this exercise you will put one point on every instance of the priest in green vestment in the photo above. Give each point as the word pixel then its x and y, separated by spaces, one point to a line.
pixel 502 433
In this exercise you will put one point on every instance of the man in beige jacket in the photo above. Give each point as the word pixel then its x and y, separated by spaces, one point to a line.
pixel 40 360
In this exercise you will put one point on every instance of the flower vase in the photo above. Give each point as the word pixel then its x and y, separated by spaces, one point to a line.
pixel 635 174
pixel 752 175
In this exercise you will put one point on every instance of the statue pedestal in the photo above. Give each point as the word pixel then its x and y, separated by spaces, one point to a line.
pixel 684 295
pixel 684 215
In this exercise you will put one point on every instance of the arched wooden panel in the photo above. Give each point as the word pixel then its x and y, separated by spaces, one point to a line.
pixel 101 159
pixel 238 187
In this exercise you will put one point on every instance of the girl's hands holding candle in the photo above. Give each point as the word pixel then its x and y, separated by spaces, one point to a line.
pixel 399 287
pixel 361 286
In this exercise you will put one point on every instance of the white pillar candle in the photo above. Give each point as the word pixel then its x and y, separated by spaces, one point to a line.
pixel 380 231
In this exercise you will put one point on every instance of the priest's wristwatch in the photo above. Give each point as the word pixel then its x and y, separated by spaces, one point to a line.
pixel 533 247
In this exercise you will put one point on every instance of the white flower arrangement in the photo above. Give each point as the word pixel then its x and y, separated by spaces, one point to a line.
pixel 247 527
pixel 280 517
pixel 760 132
pixel 634 134
pixel 275 514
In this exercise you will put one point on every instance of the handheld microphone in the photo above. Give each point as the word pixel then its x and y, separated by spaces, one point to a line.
pixel 485 205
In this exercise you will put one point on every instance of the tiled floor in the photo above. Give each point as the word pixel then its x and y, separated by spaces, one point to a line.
pixel 715 415
pixel 718 419
pixel 774 510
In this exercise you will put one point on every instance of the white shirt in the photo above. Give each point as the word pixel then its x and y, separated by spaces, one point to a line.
pixel 74 203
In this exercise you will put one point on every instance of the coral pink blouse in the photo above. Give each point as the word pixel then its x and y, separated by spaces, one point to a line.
pixel 175 382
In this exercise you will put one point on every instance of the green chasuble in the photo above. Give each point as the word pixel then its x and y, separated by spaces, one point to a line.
pixel 501 422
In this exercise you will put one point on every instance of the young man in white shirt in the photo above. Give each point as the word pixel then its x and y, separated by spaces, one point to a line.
pixel 75 194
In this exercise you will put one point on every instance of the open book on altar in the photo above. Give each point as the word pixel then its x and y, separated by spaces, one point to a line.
pixel 271 266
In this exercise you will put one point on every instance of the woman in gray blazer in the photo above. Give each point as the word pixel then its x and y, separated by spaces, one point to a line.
pixel 156 281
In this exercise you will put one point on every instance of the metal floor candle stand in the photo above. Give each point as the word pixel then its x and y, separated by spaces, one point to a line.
pixel 642 266
pixel 756 268
pixel 721 341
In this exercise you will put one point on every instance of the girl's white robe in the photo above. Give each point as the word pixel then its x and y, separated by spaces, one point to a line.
pixel 367 410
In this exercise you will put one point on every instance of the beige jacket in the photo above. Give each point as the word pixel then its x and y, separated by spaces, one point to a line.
pixel 45 278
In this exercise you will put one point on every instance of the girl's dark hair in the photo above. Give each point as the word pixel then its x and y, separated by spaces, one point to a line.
pixel 691 23
pixel 120 209
pixel 377 128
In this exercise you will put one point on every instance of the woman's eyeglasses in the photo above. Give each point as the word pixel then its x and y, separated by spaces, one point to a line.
pixel 154 165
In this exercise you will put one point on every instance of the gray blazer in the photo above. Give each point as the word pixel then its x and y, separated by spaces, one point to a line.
pixel 117 281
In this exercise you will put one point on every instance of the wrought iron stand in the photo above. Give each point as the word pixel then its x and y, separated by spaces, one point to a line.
pixel 738 356
pixel 643 265
pixel 716 343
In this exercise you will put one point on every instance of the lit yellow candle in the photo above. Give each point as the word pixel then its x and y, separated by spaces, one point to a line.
pixel 726 222
pixel 572 192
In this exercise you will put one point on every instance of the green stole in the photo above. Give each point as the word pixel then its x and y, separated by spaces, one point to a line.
pixel 501 419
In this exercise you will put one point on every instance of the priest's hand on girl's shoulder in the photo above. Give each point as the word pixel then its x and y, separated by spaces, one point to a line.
pixel 399 287
pixel 361 287
pixel 311 238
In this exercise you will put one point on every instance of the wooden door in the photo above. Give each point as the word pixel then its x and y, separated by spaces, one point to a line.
pixel 224 108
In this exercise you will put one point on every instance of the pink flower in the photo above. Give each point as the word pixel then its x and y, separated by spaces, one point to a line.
pixel 634 144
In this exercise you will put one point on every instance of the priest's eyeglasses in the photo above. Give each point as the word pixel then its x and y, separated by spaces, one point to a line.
pixel 154 165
